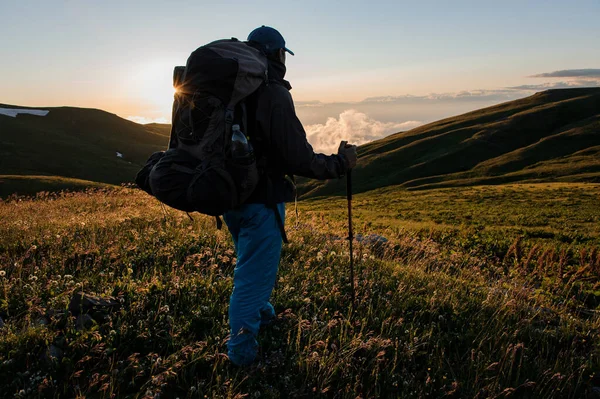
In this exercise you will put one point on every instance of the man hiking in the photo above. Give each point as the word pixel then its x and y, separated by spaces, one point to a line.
pixel 257 230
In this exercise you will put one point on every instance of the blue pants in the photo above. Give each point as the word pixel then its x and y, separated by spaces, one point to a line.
pixel 257 240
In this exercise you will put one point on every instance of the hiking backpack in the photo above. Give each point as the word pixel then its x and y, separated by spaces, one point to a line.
pixel 198 172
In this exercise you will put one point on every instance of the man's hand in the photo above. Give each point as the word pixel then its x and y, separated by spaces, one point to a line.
pixel 348 151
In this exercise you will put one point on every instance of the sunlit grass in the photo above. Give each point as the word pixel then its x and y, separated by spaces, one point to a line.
pixel 447 307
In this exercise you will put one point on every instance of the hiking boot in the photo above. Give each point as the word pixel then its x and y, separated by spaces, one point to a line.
pixel 267 315
pixel 242 348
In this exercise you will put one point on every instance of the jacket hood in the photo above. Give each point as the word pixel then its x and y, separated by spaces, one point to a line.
pixel 277 72
pixel 276 69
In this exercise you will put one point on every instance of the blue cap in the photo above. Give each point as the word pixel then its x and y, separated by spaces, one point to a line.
pixel 269 38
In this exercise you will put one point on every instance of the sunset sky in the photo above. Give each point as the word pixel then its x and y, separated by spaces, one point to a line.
pixel 379 66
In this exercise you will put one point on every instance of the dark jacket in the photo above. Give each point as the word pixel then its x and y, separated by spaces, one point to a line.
pixel 280 142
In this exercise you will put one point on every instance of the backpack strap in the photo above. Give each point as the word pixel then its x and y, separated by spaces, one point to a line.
pixel 271 204
pixel 280 224
pixel 244 117
pixel 292 179
pixel 229 114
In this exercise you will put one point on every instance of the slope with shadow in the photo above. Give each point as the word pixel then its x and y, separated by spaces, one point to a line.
pixel 550 136
pixel 77 143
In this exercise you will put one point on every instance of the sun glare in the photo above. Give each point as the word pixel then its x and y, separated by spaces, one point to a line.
pixel 152 83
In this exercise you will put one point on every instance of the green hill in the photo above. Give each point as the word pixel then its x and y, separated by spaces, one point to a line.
pixel 162 129
pixel 32 184
pixel 77 143
pixel 550 136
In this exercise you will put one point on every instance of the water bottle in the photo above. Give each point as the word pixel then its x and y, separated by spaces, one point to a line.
pixel 241 149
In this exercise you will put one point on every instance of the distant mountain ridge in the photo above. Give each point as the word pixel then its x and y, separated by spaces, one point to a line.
pixel 551 136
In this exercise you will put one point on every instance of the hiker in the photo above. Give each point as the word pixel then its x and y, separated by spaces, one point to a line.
pixel 214 167
pixel 278 137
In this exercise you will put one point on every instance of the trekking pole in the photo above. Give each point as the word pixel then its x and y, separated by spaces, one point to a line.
pixel 350 234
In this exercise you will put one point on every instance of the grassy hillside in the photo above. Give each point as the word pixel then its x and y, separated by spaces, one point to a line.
pixel 162 129
pixel 30 185
pixel 552 135
pixel 77 143
pixel 441 312
pixel 547 213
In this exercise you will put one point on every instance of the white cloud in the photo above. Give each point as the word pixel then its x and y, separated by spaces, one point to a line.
pixel 431 98
pixel 144 120
pixel 423 108
pixel 353 126
pixel 314 103
pixel 570 73
pixel 572 84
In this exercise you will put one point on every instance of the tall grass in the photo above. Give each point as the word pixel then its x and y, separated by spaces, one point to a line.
pixel 440 313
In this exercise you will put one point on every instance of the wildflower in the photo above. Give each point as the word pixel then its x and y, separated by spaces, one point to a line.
pixel 33 278
pixel 2 273
pixel 129 270
pixel 68 277
pixel 34 247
